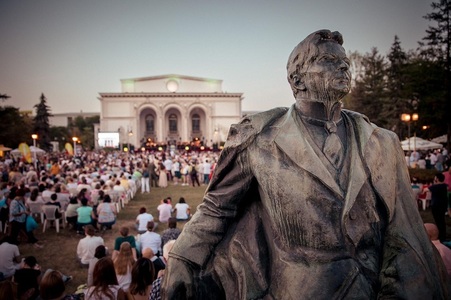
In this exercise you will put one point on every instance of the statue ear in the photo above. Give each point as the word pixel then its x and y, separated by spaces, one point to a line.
pixel 298 83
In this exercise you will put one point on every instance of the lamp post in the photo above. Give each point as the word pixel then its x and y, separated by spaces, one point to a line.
pixel 130 133
pixel 34 136
pixel 409 118
pixel 75 139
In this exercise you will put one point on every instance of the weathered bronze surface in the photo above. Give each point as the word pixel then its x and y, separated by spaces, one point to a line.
pixel 308 202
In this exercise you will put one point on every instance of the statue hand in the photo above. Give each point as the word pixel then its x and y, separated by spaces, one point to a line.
pixel 178 282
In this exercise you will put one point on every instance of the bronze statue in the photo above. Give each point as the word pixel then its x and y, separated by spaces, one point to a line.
pixel 310 202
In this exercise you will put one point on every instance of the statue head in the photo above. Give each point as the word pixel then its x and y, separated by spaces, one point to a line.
pixel 318 69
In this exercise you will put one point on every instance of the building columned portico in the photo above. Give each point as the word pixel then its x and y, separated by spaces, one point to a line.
pixel 169 109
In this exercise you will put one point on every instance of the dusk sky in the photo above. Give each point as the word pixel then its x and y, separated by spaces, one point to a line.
pixel 71 50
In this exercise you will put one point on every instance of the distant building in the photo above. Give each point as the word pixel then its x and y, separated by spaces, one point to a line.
pixel 169 109
pixel 65 119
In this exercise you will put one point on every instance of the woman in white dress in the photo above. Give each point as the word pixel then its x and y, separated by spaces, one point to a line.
pixel 163 177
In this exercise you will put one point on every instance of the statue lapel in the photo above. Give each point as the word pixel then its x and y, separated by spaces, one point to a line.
pixel 290 138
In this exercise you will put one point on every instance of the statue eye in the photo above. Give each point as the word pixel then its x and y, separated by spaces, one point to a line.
pixel 327 58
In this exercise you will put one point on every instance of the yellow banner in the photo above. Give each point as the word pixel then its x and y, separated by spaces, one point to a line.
pixel 26 153
pixel 69 148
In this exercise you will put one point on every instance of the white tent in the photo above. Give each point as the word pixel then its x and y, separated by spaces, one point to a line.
pixel 417 143
pixel 32 150
pixel 439 139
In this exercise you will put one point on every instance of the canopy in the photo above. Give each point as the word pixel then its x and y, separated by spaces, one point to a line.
pixel 3 148
pixel 419 144
pixel 439 139
pixel 32 150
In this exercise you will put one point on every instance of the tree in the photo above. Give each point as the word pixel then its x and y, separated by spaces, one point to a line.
pixel 42 125
pixel 396 79
pixel 369 94
pixel 437 47
pixel 4 97
pixel 14 128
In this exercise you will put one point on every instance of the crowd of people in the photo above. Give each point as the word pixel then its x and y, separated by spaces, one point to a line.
pixel 429 159
pixel 87 193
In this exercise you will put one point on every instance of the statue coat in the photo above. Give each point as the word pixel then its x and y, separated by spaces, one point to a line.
pixel 276 224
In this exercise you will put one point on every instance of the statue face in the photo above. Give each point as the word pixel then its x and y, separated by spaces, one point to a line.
pixel 329 73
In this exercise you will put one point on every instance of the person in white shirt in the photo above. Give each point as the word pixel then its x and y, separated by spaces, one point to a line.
pixel 165 211
pixel 84 185
pixel 151 239
pixel 182 210
pixel 87 246
pixel 142 219
pixel 206 171
pixel 9 257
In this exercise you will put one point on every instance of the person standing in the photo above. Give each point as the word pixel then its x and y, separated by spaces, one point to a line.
pixel 18 216
pixel 145 188
pixel 439 204
pixel 206 168
pixel 153 173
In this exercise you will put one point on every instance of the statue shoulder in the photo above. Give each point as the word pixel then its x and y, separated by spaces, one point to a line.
pixel 251 125
pixel 358 117
pixel 365 125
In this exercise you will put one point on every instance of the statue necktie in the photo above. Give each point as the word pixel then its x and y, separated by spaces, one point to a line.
pixel 333 148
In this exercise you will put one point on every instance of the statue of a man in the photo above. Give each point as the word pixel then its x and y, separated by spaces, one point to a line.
pixel 310 202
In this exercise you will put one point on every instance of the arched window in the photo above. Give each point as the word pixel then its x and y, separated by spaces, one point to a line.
pixel 195 123
pixel 150 121
pixel 172 123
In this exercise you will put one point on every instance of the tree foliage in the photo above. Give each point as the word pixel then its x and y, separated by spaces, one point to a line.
pixel 14 128
pixel 436 47
pixel 42 125
pixel 369 93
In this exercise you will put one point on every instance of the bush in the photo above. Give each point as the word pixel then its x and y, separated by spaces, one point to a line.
pixel 423 175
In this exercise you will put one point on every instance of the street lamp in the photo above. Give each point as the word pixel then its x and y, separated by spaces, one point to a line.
pixel 409 118
pixel 75 139
pixel 130 133
pixel 34 136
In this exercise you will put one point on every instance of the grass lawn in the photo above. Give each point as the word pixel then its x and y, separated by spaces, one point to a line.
pixel 59 250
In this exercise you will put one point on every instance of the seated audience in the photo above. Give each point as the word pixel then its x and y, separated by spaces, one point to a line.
pixel 87 246
pixel 35 197
pixel 151 239
pixel 172 233
pixel 28 278
pixel 8 290
pixel 165 211
pixel 104 282
pixel 182 210
pixel 52 287
pixel 444 251
pixel 9 257
pixel 143 274
pixel 53 198
pixel 71 212
pixel 158 263
pixel 99 253
pixel 106 213
pixel 156 285
pixel 85 215
pixel 123 263
pixel 142 219
pixel 125 237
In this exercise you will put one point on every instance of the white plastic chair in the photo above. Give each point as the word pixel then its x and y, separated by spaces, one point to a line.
pixel 36 209
pixel 50 215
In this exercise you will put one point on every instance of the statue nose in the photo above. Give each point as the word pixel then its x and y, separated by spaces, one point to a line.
pixel 343 66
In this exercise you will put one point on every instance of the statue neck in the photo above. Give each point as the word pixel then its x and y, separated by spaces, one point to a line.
pixel 329 111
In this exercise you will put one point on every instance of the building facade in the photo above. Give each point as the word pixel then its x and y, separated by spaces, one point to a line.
pixel 169 109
